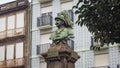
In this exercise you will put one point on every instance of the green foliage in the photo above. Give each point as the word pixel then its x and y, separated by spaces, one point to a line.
pixel 102 17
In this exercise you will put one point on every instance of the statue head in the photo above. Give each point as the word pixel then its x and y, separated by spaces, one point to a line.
pixel 64 31
pixel 60 21
pixel 63 19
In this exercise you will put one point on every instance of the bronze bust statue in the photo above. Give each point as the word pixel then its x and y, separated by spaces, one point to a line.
pixel 64 31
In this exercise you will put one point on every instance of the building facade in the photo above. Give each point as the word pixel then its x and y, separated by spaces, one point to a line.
pixel 14 34
pixel 43 24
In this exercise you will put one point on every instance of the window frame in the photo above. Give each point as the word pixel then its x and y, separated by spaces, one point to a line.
pixel 14 32
pixel 14 51
pixel 103 51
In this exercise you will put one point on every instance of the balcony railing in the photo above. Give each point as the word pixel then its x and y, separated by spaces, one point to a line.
pixel 43 1
pixel 118 66
pixel 12 33
pixel 12 63
pixel 71 44
pixel 44 21
pixel 101 67
pixel 42 48
pixel 71 14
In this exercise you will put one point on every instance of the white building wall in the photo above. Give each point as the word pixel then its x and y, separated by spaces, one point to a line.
pixel 35 33
pixel 82 40
pixel 45 39
pixel 114 56
pixel 66 6
pixel 46 9
pixel 82 43
pixel 55 9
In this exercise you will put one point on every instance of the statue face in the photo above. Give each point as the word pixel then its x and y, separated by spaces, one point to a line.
pixel 58 22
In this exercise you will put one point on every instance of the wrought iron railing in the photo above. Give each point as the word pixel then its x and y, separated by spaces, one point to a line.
pixel 43 48
pixel 44 20
pixel 71 44
pixel 71 14
pixel 118 66
pixel 101 67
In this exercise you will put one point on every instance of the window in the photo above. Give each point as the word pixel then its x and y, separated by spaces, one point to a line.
pixel 43 64
pixel 2 24
pixel 71 14
pixel 12 25
pixel 2 27
pixel 16 49
pixel 45 39
pixel 11 22
pixel 10 52
pixel 20 23
pixel 19 50
pixel 101 60
pixel 20 20
pixel 66 6
pixel 46 9
pixel 2 53
pixel 45 19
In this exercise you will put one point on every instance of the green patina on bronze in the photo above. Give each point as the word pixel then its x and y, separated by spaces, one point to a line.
pixel 64 31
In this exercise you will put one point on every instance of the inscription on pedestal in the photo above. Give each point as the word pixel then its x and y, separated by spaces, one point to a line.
pixel 53 53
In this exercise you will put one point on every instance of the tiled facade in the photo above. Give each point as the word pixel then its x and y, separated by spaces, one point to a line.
pixel 41 11
pixel 82 40
pixel 35 35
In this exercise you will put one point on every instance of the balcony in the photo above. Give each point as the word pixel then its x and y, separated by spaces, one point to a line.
pixel 118 66
pixel 13 6
pixel 44 1
pixel 101 67
pixel 44 22
pixel 12 63
pixel 71 44
pixel 42 48
pixel 12 33
pixel 71 14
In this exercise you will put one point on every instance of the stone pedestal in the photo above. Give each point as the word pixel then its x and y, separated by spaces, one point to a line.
pixel 60 56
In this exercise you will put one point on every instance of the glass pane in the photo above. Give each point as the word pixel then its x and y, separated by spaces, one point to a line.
pixel 2 24
pixel 19 31
pixel 2 53
pixel 10 51
pixel 20 20
pixel 99 60
pixel 11 22
pixel 19 50
pixel 43 65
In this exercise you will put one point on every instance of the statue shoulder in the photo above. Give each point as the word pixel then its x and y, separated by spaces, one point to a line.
pixel 52 36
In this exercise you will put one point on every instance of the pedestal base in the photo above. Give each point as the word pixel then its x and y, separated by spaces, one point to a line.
pixel 60 56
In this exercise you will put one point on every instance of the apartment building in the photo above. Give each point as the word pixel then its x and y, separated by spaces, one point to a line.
pixel 14 34
pixel 43 24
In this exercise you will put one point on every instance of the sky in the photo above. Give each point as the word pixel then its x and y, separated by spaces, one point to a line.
pixel 5 1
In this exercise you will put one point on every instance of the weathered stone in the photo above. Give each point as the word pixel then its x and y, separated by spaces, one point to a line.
pixel 60 56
